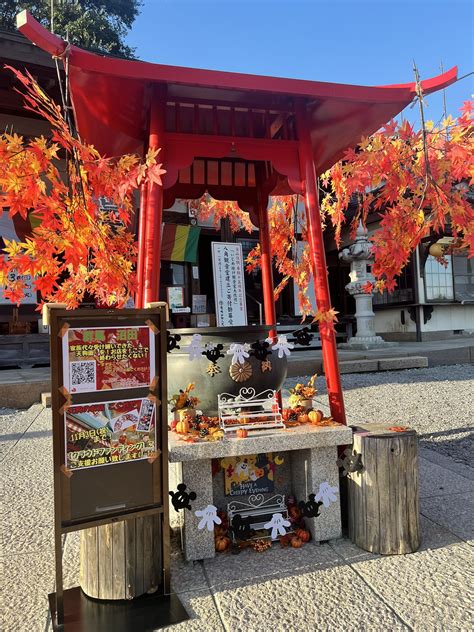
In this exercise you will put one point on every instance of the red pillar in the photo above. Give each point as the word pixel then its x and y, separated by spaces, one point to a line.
pixel 141 247
pixel 154 204
pixel 320 274
pixel 266 263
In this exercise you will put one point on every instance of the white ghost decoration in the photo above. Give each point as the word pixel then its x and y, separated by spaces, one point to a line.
pixel 238 353
pixel 208 517
pixel 326 494
pixel 195 348
pixel 283 346
pixel 277 524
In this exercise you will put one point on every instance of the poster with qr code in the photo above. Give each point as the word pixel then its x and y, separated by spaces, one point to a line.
pixel 109 432
pixel 108 358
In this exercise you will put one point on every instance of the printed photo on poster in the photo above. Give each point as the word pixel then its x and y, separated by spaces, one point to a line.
pixel 108 358
pixel 251 474
pixel 109 432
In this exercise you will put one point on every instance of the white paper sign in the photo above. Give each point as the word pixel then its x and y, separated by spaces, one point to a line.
pixel 199 303
pixel 229 284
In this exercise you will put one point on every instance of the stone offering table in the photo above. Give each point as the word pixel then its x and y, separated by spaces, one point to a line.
pixel 310 454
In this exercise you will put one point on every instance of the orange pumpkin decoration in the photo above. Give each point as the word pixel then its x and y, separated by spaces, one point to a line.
pixel 315 416
pixel 182 427
pixel 222 543
pixel 303 418
pixel 296 543
pixel 242 433
pixel 303 535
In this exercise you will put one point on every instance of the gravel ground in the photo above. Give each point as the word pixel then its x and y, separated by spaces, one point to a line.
pixel 438 402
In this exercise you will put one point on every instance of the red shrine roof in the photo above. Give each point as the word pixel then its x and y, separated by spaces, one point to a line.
pixel 111 97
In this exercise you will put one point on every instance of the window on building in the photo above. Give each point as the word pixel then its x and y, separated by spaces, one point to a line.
pixel 439 284
pixel 403 293
pixel 463 272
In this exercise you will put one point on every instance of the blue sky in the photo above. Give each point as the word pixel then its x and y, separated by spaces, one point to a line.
pixel 367 42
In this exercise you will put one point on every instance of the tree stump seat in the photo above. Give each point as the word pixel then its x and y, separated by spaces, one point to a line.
pixel 383 506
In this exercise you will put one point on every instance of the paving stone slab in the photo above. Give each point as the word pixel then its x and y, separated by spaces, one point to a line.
pixel 454 512
pixel 227 569
pixel 427 589
pixel 438 481
pixel 333 598
pixel 13 425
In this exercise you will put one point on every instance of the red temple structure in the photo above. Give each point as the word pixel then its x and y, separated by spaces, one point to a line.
pixel 240 137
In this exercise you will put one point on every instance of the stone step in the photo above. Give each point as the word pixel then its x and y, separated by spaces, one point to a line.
pixel 409 362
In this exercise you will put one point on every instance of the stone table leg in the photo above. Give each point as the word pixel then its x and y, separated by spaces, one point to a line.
pixel 310 468
pixel 198 543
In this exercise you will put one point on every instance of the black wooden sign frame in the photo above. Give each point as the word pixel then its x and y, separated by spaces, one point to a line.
pixel 151 475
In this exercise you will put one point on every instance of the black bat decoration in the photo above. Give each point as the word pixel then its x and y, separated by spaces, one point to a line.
pixel 180 499
pixel 261 350
pixel 241 527
pixel 214 353
pixel 303 337
pixel 172 341
pixel 310 508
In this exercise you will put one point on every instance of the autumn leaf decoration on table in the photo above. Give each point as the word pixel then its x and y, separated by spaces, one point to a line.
pixel 77 246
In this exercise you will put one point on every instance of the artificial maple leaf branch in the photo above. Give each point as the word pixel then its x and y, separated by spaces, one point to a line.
pixel 78 249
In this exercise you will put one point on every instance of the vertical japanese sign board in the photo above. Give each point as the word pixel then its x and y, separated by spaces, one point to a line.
pixel 108 370
pixel 229 284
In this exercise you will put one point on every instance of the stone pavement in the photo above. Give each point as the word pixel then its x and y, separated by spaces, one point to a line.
pixel 335 586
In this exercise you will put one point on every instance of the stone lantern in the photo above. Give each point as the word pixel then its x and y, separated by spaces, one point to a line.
pixel 359 254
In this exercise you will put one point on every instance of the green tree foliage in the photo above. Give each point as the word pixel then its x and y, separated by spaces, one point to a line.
pixel 99 25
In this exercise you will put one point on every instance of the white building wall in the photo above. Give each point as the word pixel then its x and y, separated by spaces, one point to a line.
pixel 450 318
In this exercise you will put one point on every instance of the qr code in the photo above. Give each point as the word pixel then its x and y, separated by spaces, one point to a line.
pixel 83 375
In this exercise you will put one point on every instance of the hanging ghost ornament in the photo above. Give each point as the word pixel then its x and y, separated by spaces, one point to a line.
pixel 277 524
pixel 283 346
pixel 238 352
pixel 208 516
pixel 327 494
pixel 195 347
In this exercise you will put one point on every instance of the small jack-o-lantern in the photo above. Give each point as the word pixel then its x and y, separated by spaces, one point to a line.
pixel 242 433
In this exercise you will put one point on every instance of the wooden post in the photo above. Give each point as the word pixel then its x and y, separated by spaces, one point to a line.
pixel 383 496
pixel 266 263
pixel 122 560
pixel 319 268
pixel 154 203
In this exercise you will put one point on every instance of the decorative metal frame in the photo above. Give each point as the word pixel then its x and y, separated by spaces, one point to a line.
pixel 262 411
pixel 260 509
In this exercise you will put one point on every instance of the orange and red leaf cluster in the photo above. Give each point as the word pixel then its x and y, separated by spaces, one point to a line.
pixel 78 246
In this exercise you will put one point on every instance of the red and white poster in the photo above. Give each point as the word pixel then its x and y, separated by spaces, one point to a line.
pixel 108 358
pixel 109 432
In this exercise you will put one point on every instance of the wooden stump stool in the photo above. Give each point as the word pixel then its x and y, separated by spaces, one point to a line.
pixel 122 560
pixel 383 496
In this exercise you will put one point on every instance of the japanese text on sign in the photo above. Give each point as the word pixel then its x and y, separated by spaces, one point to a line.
pixel 229 284
pixel 109 432
pixel 108 358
